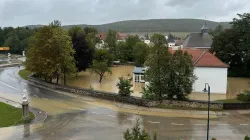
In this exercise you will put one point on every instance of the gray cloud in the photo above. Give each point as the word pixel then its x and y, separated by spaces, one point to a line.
pixel 26 12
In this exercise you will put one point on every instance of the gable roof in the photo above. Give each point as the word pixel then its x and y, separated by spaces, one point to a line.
pixel 203 58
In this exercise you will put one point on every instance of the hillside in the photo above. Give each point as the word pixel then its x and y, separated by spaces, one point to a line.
pixel 154 25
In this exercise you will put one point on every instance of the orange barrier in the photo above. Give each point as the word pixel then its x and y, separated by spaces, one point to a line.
pixel 4 48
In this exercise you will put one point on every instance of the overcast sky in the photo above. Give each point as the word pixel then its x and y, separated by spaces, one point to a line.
pixel 29 12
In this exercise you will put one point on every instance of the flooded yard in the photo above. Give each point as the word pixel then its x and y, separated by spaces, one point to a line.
pixel 89 80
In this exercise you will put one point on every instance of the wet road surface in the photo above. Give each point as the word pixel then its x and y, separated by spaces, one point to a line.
pixel 75 117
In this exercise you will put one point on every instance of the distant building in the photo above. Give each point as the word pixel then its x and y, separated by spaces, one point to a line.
pixel 199 40
pixel 102 36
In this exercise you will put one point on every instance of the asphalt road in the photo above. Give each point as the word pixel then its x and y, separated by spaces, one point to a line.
pixel 75 117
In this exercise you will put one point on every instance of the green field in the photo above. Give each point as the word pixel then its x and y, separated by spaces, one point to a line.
pixel 24 74
pixel 11 116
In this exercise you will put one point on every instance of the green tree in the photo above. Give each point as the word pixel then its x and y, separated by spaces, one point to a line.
pixel 140 53
pixel 218 29
pixel 123 52
pixel 84 52
pixel 247 138
pixel 100 68
pixel 232 46
pixel 157 74
pixel 181 75
pixel 137 134
pixel 50 54
pixel 111 41
pixel 55 23
pixel 131 41
pixel 14 43
pixel 124 86
pixel 158 39
pixel 103 55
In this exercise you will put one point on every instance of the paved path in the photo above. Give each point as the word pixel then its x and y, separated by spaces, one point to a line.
pixel 84 118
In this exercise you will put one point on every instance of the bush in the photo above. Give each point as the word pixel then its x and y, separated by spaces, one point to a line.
pixel 124 86
pixel 247 138
pixel 137 134
pixel 245 96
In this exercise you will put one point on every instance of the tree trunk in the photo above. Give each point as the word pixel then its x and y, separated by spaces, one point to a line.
pixel 57 78
pixel 64 76
pixel 101 75
pixel 50 80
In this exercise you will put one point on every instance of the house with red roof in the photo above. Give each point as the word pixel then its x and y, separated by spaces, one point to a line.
pixel 102 36
pixel 207 68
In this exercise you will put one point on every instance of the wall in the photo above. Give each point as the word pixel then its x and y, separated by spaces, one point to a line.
pixel 171 44
pixel 215 77
pixel 130 100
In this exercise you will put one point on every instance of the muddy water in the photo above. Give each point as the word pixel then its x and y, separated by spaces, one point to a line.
pixel 89 80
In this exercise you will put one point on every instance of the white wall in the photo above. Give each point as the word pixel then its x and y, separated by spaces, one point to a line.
pixel 146 41
pixel 171 44
pixel 215 77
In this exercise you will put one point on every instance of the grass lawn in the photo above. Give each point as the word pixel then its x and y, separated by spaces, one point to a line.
pixel 230 101
pixel 185 108
pixel 11 115
pixel 24 74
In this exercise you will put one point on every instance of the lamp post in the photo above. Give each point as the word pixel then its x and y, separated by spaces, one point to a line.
pixel 207 89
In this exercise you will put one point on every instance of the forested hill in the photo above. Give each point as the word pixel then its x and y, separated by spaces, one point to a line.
pixel 153 25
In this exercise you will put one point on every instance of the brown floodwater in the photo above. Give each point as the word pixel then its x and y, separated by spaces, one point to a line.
pixel 90 80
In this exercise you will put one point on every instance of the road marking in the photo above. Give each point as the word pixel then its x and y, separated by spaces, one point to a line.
pixel 44 98
pixel 153 122
pixel 223 124
pixel 95 113
pixel 176 124
pixel 130 119
pixel 244 124
pixel 112 116
pixel 9 86
pixel 199 124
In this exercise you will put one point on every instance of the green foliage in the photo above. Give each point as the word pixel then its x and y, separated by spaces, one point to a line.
pixel 247 138
pixel 55 23
pixel 217 30
pixel 50 54
pixel 245 96
pixel 24 74
pixel 140 53
pixel 11 115
pixel 103 55
pixel 83 44
pixel 137 134
pixel 100 68
pixel 213 139
pixel 169 76
pixel 124 86
pixel 232 46
pixel 15 38
pixel 111 41
pixel 158 39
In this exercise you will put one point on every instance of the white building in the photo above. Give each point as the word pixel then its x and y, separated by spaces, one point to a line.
pixel 207 68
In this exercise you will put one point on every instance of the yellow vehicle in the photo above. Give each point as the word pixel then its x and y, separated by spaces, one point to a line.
pixel 4 48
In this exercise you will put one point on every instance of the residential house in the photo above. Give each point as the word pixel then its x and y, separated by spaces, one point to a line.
pixel 102 36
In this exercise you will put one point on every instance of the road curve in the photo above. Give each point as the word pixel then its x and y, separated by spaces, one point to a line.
pixel 75 117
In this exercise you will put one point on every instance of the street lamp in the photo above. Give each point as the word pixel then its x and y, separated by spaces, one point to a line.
pixel 207 89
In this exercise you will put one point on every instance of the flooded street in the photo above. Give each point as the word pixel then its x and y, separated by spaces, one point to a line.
pixel 83 118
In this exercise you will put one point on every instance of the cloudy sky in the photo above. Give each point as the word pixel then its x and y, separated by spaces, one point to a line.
pixel 29 12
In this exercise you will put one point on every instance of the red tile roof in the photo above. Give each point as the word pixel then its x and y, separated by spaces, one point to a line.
pixel 119 36
pixel 203 58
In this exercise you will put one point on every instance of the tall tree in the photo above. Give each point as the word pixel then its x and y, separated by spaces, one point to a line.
pixel 111 41
pixel 232 46
pixel 218 29
pixel 103 55
pixel 140 53
pixel 131 40
pixel 55 23
pixel 83 51
pixel 158 39
pixel 123 52
pixel 50 54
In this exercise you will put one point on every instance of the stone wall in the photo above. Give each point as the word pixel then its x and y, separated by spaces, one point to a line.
pixel 130 100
